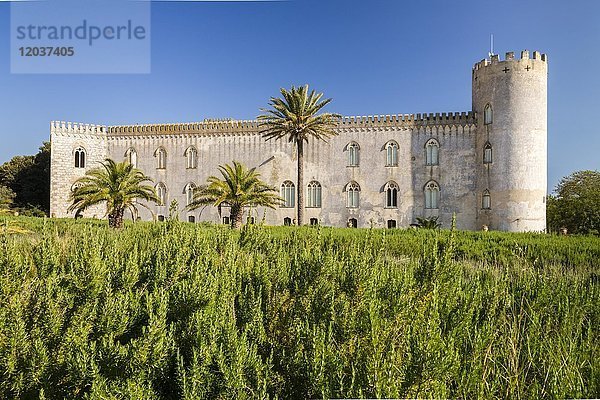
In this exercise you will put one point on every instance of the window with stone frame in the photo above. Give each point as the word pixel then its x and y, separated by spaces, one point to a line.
pixel 352 195
pixel 432 195
pixel 313 199
pixel 353 154
pixel 432 152
pixel 488 114
pixel 79 157
pixel 391 195
pixel 391 151
pixel 288 194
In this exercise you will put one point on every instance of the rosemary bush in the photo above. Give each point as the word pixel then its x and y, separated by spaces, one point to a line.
pixel 175 310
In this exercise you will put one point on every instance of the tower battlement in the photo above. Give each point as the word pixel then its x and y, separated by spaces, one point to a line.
pixel 510 56
pixel 76 127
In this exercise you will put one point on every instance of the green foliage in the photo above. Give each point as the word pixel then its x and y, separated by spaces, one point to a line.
pixel 296 117
pixel 240 187
pixel 118 185
pixel 176 311
pixel 428 223
pixel 29 178
pixel 7 197
pixel 576 205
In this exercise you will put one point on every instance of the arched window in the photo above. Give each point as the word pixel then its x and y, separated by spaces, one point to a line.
pixel 487 114
pixel 486 200
pixel 487 154
pixel 288 194
pixel 287 221
pixel 161 218
pixel 161 193
pixel 189 193
pixel 391 195
pixel 131 156
pixel 432 148
pixel 192 219
pixel 314 195
pixel 79 157
pixel 161 156
pixel 432 195
pixel 314 221
pixel 391 154
pixel 391 223
pixel 192 157
pixel 353 154
pixel 353 193
pixel 352 223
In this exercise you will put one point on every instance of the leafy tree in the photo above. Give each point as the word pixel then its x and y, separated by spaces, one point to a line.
pixel 6 197
pixel 576 204
pixel 29 178
pixel 239 188
pixel 295 117
pixel 118 185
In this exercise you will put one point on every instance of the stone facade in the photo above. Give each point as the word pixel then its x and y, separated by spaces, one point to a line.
pixel 513 180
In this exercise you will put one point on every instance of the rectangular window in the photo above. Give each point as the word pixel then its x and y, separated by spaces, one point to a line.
pixel 353 198
pixel 487 155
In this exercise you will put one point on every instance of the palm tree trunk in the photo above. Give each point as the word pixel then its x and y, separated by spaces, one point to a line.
pixel 236 217
pixel 300 183
pixel 115 218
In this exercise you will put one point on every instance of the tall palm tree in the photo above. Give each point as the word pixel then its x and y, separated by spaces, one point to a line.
pixel 239 188
pixel 118 185
pixel 295 116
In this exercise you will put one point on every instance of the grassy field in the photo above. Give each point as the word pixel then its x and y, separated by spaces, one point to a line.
pixel 173 310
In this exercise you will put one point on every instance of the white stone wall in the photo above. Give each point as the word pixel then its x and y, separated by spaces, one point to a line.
pixel 64 139
pixel 326 163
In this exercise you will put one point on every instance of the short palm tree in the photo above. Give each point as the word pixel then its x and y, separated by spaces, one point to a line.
pixel 239 188
pixel 428 223
pixel 295 117
pixel 118 185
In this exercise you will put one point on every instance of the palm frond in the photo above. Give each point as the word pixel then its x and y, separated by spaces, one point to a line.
pixel 118 185
pixel 295 116
pixel 239 186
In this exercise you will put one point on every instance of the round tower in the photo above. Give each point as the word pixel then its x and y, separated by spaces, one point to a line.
pixel 510 102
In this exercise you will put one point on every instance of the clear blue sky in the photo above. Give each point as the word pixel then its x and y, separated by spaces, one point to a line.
pixel 226 59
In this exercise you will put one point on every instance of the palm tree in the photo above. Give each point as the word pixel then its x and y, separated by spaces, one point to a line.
pixel 118 185
pixel 239 188
pixel 295 116
pixel 428 223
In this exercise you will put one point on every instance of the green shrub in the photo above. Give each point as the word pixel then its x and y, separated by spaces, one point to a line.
pixel 176 310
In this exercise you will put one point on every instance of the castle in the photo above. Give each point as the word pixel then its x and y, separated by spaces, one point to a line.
pixel 487 166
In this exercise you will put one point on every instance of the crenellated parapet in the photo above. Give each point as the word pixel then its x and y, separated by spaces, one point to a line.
pixel 76 128
pixel 235 127
pixel 208 127
pixel 410 120
pixel 510 57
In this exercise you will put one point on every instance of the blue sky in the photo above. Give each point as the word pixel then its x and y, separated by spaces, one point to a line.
pixel 226 59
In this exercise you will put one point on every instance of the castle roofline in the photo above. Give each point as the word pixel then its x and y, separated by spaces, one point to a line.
pixel 510 56
pixel 237 126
